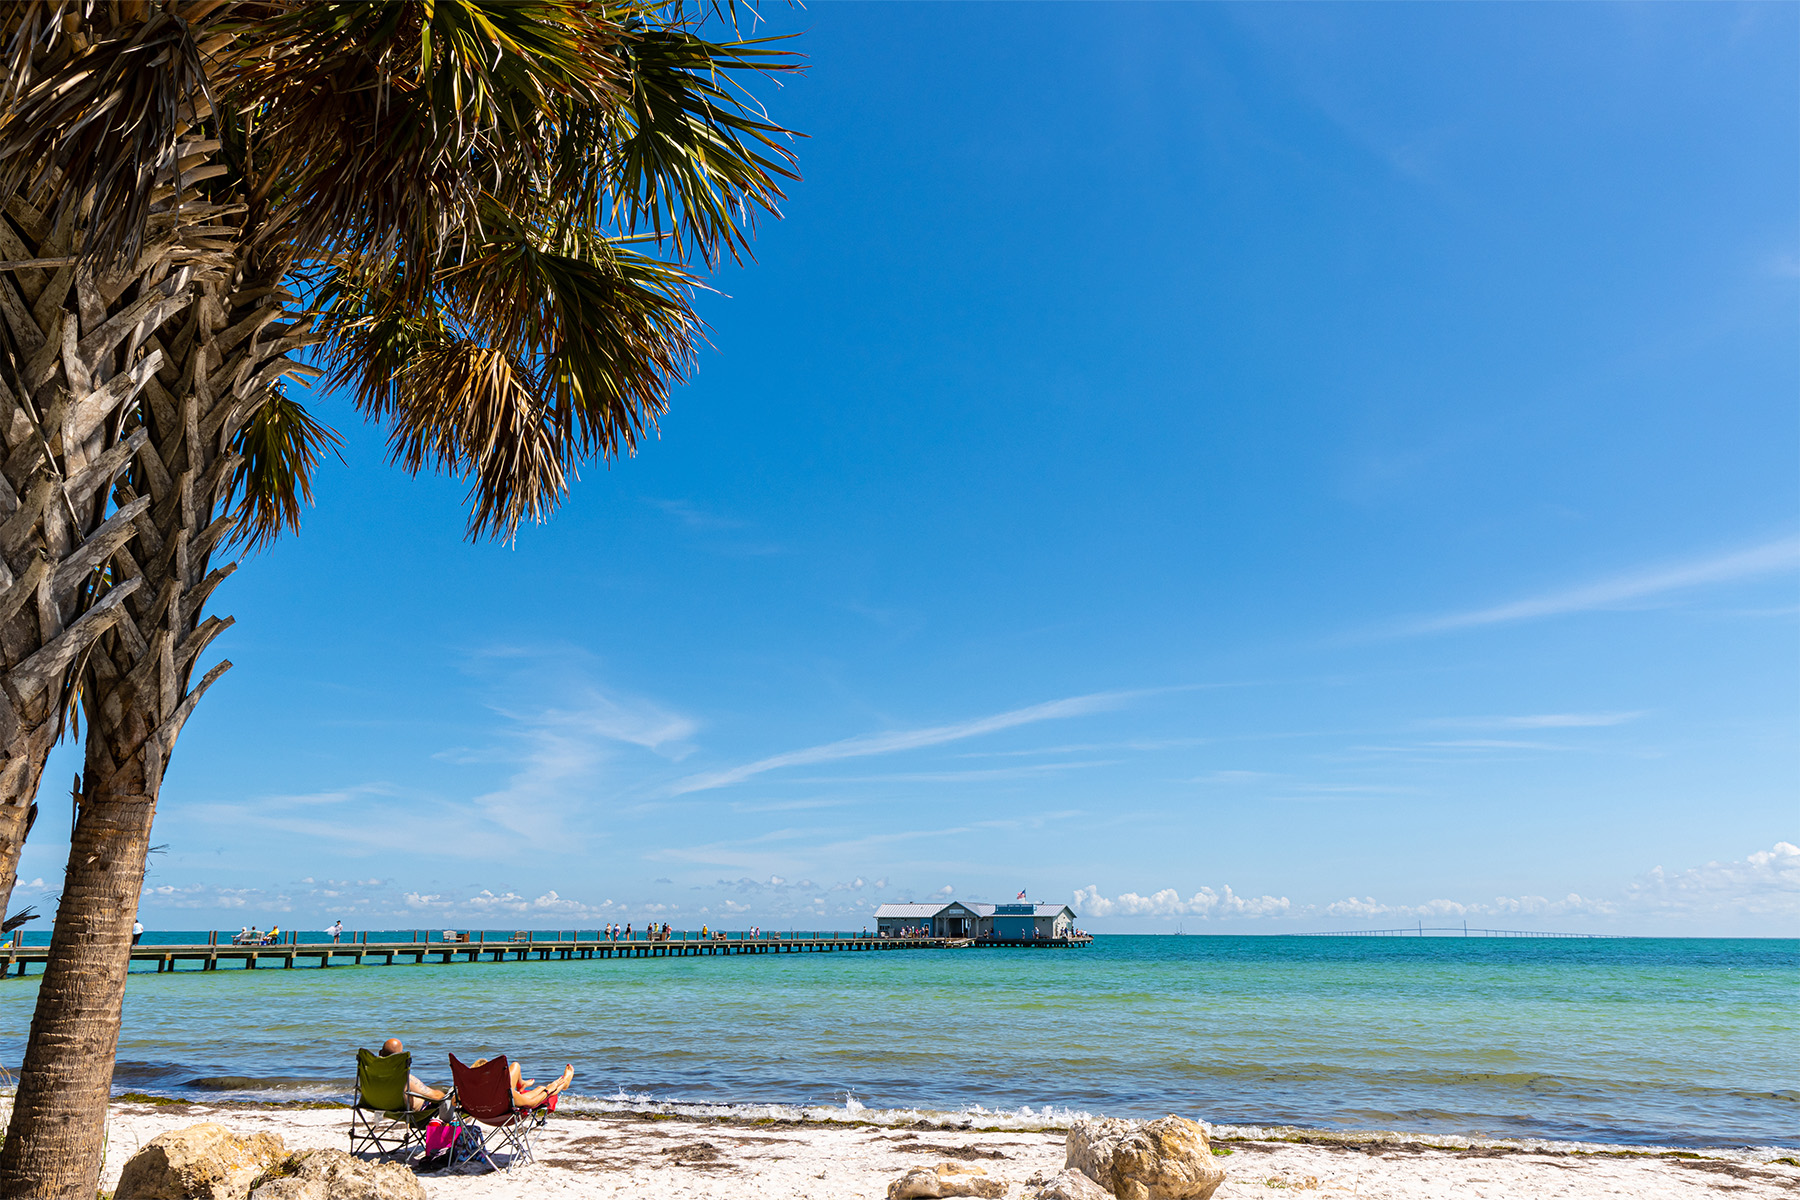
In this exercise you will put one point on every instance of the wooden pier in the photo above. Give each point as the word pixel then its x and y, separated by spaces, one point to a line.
pixel 209 956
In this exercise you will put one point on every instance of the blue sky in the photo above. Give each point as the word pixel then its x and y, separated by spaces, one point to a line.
pixel 1257 468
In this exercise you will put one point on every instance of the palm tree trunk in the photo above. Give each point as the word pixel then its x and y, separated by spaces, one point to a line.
pixel 200 380
pixel 73 361
pixel 136 693
pixel 53 1147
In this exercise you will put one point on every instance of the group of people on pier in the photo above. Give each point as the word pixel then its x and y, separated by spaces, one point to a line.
pixel 652 932
pixel 248 936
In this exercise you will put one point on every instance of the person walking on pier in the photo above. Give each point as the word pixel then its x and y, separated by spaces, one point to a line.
pixel 336 931
pixel 137 931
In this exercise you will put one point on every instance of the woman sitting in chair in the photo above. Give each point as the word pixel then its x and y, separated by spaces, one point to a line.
pixel 524 1095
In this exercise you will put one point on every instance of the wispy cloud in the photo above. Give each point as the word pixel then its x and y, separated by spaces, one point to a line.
pixel 899 740
pixel 1139 744
pixel 551 762
pixel 1033 771
pixel 1782 554
pixel 1592 720
pixel 1232 778
pixel 716 533
pixel 694 517
pixel 559 754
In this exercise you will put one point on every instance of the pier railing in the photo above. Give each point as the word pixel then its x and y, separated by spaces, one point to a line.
pixel 473 946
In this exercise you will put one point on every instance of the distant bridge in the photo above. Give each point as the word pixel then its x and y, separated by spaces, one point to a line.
pixel 1449 931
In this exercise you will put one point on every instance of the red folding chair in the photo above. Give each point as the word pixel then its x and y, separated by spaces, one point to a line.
pixel 484 1095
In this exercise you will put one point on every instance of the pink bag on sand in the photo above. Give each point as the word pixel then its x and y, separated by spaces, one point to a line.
pixel 439 1137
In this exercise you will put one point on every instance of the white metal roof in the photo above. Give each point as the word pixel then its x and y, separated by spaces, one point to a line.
pixel 910 910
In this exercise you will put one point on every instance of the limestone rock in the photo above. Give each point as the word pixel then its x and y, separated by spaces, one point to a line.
pixel 1071 1185
pixel 945 1179
pixel 201 1162
pixel 335 1175
pixel 1090 1143
pixel 1166 1159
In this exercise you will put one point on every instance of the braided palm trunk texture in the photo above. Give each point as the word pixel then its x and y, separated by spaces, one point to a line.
pixel 80 345
pixel 211 375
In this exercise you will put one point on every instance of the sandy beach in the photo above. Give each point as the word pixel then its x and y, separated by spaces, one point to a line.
pixel 631 1155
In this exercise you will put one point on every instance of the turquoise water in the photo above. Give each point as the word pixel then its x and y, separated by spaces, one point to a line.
pixel 1644 1041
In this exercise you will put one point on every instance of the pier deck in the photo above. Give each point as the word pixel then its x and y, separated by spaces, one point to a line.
pixel 208 957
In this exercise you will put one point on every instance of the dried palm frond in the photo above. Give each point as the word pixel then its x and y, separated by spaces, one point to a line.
pixel 96 102
pixel 540 351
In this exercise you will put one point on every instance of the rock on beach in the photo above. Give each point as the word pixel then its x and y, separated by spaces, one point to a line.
pixel 209 1162
pixel 1165 1159
pixel 945 1179
pixel 1071 1185
pixel 335 1175
pixel 1090 1146
pixel 201 1162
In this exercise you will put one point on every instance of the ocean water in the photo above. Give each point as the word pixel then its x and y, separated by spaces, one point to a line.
pixel 1688 1042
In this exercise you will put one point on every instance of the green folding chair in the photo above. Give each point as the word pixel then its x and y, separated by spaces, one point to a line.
pixel 380 1121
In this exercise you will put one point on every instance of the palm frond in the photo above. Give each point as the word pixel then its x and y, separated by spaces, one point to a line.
pixel 394 121
pixel 98 113
pixel 279 447
pixel 606 328
pixel 474 410
pixel 545 348
pixel 690 155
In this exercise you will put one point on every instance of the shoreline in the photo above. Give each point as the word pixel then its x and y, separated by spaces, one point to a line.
pixel 588 1109
pixel 640 1155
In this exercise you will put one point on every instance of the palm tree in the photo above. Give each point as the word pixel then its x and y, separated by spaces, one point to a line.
pixel 77 348
pixel 463 192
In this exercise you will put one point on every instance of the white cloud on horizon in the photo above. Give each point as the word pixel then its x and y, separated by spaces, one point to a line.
pixel 200 896
pixel 866 745
pixel 1782 554
pixel 1766 883
pixel 516 906
pixel 1763 884
pixel 1204 903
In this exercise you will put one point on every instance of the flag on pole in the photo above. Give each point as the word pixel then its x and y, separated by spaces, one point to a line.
pixel 1021 895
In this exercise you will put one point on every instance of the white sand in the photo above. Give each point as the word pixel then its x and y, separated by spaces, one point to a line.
pixel 633 1155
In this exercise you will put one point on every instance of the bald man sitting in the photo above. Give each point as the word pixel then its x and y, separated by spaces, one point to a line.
pixel 418 1094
